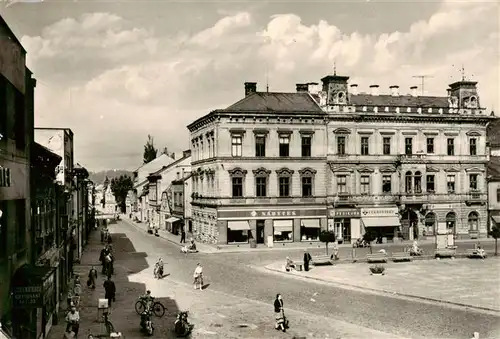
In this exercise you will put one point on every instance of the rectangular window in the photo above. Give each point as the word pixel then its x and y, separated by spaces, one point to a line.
pixel 237 187
pixel 408 146
pixel 473 146
pixel 284 183
pixel 451 183
pixel 20 206
pixel 430 184
pixel 341 184
pixel 451 146
pixel 365 184
pixel 386 142
pixel 498 194
pixel 341 145
pixel 284 146
pixel 364 146
pixel 261 186
pixel 306 146
pixel 386 184
pixel 235 233
pixel 430 145
pixel 473 181
pixel 260 146
pixel 309 229
pixel 237 145
pixel 307 187
pixel 283 230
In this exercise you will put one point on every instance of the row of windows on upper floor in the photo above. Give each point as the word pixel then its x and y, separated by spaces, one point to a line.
pixel 413 183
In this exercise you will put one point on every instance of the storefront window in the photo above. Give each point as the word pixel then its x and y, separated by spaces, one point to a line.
pixel 309 229
pixel 237 232
pixel 283 230
pixel 343 229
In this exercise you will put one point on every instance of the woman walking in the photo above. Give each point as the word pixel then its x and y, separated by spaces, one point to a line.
pixel 279 313
pixel 198 277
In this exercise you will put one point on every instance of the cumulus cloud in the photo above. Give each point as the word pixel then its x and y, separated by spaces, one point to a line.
pixel 136 82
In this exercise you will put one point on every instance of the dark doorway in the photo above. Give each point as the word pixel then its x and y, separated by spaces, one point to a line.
pixel 410 218
pixel 260 231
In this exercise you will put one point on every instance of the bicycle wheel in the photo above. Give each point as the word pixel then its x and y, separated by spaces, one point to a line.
pixel 140 307
pixel 109 327
pixel 158 309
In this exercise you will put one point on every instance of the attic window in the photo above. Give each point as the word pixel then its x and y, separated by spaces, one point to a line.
pixel 408 110
pixel 364 108
pixel 375 109
pixel 440 111
pixel 419 110
pixel 397 109
pixel 429 110
pixel 387 109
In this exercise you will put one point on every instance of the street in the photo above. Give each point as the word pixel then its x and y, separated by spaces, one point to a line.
pixel 227 273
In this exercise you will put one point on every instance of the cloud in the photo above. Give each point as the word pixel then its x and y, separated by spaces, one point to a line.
pixel 132 81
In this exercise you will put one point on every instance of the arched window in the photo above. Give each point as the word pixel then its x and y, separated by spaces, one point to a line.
pixel 473 221
pixel 430 223
pixel 408 182
pixel 451 220
pixel 418 182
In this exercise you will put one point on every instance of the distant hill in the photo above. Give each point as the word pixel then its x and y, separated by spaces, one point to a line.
pixel 98 177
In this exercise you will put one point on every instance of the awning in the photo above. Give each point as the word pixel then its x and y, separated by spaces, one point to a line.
pixel 392 221
pixel 241 225
pixel 172 220
pixel 496 218
pixel 310 223
pixel 283 223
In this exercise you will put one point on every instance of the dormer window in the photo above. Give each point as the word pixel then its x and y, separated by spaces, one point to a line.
pixel 440 111
pixel 375 109
pixel 397 109
pixel 473 102
pixel 364 108
pixel 419 110
pixel 429 110
pixel 387 109
pixel 408 110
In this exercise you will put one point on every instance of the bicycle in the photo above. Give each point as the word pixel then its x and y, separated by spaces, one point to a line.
pixel 157 307
pixel 108 325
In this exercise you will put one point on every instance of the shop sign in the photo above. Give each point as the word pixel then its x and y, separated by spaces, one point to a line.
pixel 380 212
pixel 28 296
pixel 270 213
pixel 345 213
pixel 5 177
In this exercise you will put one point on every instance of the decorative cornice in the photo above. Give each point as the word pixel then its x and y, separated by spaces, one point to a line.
pixel 387 169
pixel 474 169
pixel 261 171
pixel 387 132
pixel 473 134
pixel 451 169
pixel 237 171
pixel 431 132
pixel 342 131
pixel 284 131
pixel 409 132
pixel 306 131
pixel 284 171
pixel 260 132
pixel 307 171
pixel 237 131
pixel 366 170
pixel 365 132
pixel 451 133
pixel 341 169
pixel 431 169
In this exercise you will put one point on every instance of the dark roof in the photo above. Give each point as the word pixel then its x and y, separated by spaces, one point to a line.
pixel 493 132
pixel 277 102
pixel 398 101
pixel 494 168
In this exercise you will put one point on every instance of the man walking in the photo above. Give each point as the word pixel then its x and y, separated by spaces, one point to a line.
pixel 92 278
pixel 307 259
pixel 109 290
pixel 279 313
pixel 183 235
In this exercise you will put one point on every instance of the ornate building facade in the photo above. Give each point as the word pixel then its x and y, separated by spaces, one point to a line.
pixel 280 167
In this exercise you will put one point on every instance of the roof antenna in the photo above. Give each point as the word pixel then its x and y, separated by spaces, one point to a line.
pixel 462 70
pixel 267 76
pixel 334 67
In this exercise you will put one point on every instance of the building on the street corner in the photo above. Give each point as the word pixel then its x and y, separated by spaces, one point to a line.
pixel 160 194
pixel 16 137
pixel 493 173
pixel 259 170
pixel 413 165
pixel 139 194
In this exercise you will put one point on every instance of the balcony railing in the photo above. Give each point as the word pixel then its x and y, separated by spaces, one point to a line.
pixel 404 158
pixel 218 201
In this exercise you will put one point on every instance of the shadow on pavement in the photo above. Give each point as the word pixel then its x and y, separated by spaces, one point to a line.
pixel 122 312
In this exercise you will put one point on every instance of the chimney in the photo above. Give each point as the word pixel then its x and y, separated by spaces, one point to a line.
pixel 354 89
pixel 302 87
pixel 394 90
pixel 178 175
pixel 414 91
pixel 165 151
pixel 186 153
pixel 374 89
pixel 250 87
pixel 312 87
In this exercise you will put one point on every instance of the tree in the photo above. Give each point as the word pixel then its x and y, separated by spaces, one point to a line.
pixel 327 237
pixel 150 152
pixel 369 237
pixel 495 234
pixel 120 187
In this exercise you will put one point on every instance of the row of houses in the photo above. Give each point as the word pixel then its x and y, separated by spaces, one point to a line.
pixel 45 213
pixel 280 167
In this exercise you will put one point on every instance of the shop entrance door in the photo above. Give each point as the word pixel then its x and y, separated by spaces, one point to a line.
pixel 260 231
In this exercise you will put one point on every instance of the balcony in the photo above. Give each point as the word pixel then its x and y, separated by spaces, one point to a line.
pixel 222 201
pixel 356 158
pixel 475 198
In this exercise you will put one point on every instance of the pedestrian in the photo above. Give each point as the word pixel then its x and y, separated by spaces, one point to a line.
pixel 279 313
pixel 102 259
pixel 73 321
pixel 92 278
pixel 111 265
pixel 109 290
pixel 307 259
pixel 102 234
pixel 183 235
pixel 198 277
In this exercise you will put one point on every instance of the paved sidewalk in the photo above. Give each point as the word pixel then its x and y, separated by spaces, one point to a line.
pixel 465 282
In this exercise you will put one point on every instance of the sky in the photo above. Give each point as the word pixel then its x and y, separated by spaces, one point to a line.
pixel 116 71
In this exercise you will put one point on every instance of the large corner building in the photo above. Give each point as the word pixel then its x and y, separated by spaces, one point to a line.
pixel 281 167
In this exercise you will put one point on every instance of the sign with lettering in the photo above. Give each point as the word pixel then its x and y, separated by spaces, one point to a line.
pixel 380 212
pixel 278 213
pixel 28 296
pixel 345 213
pixel 5 177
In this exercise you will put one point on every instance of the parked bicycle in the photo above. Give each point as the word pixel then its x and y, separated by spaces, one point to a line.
pixel 107 324
pixel 156 307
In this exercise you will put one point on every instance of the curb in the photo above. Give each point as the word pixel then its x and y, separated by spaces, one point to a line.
pixel 390 293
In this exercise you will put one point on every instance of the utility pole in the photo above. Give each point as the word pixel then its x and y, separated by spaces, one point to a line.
pixel 422 80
